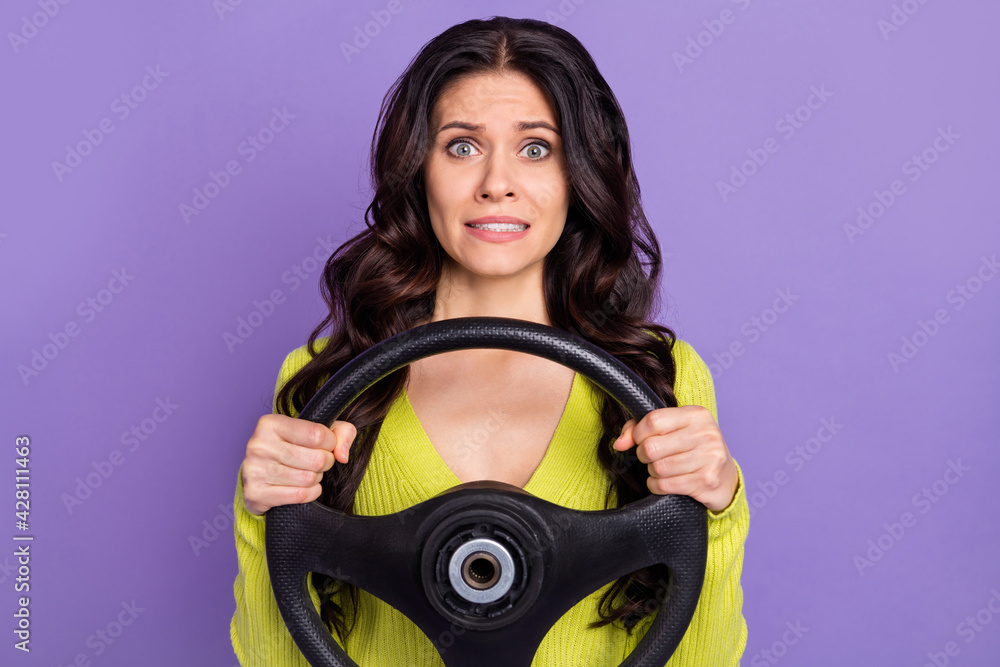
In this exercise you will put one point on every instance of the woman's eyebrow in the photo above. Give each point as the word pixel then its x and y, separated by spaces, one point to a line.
pixel 519 126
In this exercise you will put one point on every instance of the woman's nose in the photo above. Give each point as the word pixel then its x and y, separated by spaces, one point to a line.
pixel 498 181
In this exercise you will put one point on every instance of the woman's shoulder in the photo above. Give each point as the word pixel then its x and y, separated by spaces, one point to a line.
pixel 693 383
pixel 294 361
pixel 687 359
pixel 300 356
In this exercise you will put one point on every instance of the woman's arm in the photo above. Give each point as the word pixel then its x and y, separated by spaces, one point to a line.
pixel 717 634
pixel 259 635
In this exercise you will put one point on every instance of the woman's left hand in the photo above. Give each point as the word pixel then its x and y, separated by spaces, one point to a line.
pixel 685 453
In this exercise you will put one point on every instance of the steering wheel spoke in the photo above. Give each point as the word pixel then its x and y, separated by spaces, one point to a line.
pixel 614 542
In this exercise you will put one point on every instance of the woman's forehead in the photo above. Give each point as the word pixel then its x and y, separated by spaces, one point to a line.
pixel 468 101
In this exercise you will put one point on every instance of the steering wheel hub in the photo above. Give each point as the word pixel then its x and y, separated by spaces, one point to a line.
pixel 481 570
pixel 482 567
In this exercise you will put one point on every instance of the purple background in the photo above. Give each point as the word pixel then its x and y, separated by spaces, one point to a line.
pixel 854 298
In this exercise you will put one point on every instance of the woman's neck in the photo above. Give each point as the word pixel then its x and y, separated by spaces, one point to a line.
pixel 518 296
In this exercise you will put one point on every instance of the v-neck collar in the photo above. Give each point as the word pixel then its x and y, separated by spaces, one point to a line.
pixel 426 458
pixel 405 469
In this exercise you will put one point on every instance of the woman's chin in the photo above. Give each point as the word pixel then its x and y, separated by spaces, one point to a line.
pixel 491 268
pixel 494 272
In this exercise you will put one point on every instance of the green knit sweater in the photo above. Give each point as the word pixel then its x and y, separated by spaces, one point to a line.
pixel 405 463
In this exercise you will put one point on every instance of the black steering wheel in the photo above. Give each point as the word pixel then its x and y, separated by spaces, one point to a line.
pixel 485 569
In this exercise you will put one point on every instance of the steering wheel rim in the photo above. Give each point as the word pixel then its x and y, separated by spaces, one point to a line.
pixel 298 537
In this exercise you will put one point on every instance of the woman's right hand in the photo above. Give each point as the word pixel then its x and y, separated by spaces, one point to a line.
pixel 286 458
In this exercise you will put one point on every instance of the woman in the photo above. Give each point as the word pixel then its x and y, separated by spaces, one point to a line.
pixel 503 187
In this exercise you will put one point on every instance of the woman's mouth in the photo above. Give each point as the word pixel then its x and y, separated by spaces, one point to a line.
pixel 497 232
pixel 499 226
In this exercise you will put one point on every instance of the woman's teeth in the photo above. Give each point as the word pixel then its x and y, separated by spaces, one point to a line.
pixel 501 227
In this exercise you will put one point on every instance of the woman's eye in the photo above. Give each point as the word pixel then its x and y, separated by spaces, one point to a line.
pixel 464 148
pixel 536 150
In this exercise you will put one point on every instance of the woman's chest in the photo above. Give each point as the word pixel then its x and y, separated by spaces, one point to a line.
pixel 490 420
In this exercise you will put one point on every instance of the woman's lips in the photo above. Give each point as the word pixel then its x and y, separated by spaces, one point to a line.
pixel 499 234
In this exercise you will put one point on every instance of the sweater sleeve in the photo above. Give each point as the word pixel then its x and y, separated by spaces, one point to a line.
pixel 717 634
pixel 259 635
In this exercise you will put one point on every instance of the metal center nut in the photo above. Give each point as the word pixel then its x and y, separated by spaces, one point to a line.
pixel 481 570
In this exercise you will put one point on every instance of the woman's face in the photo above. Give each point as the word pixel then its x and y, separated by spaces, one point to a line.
pixel 495 150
